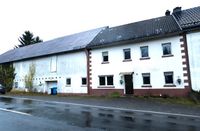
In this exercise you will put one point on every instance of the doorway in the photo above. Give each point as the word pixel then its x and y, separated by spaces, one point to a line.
pixel 128 84
pixel 49 85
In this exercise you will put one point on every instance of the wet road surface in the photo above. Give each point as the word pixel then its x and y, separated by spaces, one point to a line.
pixel 24 114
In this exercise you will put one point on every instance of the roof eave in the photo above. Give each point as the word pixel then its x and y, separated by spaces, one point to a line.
pixel 142 39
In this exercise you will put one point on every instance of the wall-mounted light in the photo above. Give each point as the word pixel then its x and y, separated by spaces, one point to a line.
pixel 179 80
pixel 121 79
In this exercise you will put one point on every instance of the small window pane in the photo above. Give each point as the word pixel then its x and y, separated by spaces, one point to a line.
pixel 68 81
pixel 109 80
pixel 166 48
pixel 144 51
pixel 127 54
pixel 105 56
pixel 168 77
pixel 146 78
pixel 102 80
pixel 84 81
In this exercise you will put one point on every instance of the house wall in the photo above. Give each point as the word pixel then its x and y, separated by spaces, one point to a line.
pixel 53 71
pixel 156 66
pixel 193 42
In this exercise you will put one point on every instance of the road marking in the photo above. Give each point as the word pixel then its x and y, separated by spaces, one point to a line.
pixel 106 107
pixel 13 111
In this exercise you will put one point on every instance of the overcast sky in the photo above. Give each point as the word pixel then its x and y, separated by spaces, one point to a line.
pixel 50 19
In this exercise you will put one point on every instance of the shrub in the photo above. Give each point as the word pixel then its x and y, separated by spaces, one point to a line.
pixel 29 78
pixel 7 76
pixel 115 94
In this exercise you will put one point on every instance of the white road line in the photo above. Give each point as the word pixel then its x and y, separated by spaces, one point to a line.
pixel 13 111
pixel 106 107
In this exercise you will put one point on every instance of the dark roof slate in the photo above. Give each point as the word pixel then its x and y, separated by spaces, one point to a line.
pixel 188 18
pixel 138 30
pixel 63 44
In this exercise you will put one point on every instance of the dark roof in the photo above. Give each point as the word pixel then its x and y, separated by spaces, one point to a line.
pixel 64 44
pixel 135 31
pixel 188 18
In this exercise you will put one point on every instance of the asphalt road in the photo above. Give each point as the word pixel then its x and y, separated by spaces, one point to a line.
pixel 18 114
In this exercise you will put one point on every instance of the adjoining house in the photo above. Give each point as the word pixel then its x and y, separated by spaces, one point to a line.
pixel 158 56
pixel 189 22
pixel 60 63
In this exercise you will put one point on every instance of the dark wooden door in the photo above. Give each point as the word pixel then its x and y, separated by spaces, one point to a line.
pixel 128 84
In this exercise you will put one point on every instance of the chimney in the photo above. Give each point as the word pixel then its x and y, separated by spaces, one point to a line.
pixel 167 13
pixel 177 10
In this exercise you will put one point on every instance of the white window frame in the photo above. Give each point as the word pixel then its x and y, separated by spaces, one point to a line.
pixel 103 54
pixel 146 75
pixel 147 51
pixel 163 44
pixel 106 80
pixel 70 81
pixel 125 50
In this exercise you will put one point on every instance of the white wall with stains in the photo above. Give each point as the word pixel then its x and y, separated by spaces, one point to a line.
pixel 156 65
pixel 53 70
pixel 193 41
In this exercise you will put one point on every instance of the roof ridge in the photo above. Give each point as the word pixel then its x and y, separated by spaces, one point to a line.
pixel 138 21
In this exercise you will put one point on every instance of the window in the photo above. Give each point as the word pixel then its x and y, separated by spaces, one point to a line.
pixel 144 51
pixel 168 77
pixel 105 56
pixel 127 54
pixel 68 81
pixel 106 80
pixel 146 78
pixel 166 49
pixel 102 80
pixel 53 64
pixel 109 80
pixel 84 81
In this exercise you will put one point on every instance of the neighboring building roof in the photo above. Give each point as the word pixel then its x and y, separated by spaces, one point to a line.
pixel 188 18
pixel 134 31
pixel 63 44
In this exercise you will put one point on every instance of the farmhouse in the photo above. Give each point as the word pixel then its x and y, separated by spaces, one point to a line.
pixel 158 56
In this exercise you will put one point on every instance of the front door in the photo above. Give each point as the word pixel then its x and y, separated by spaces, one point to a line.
pixel 128 84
